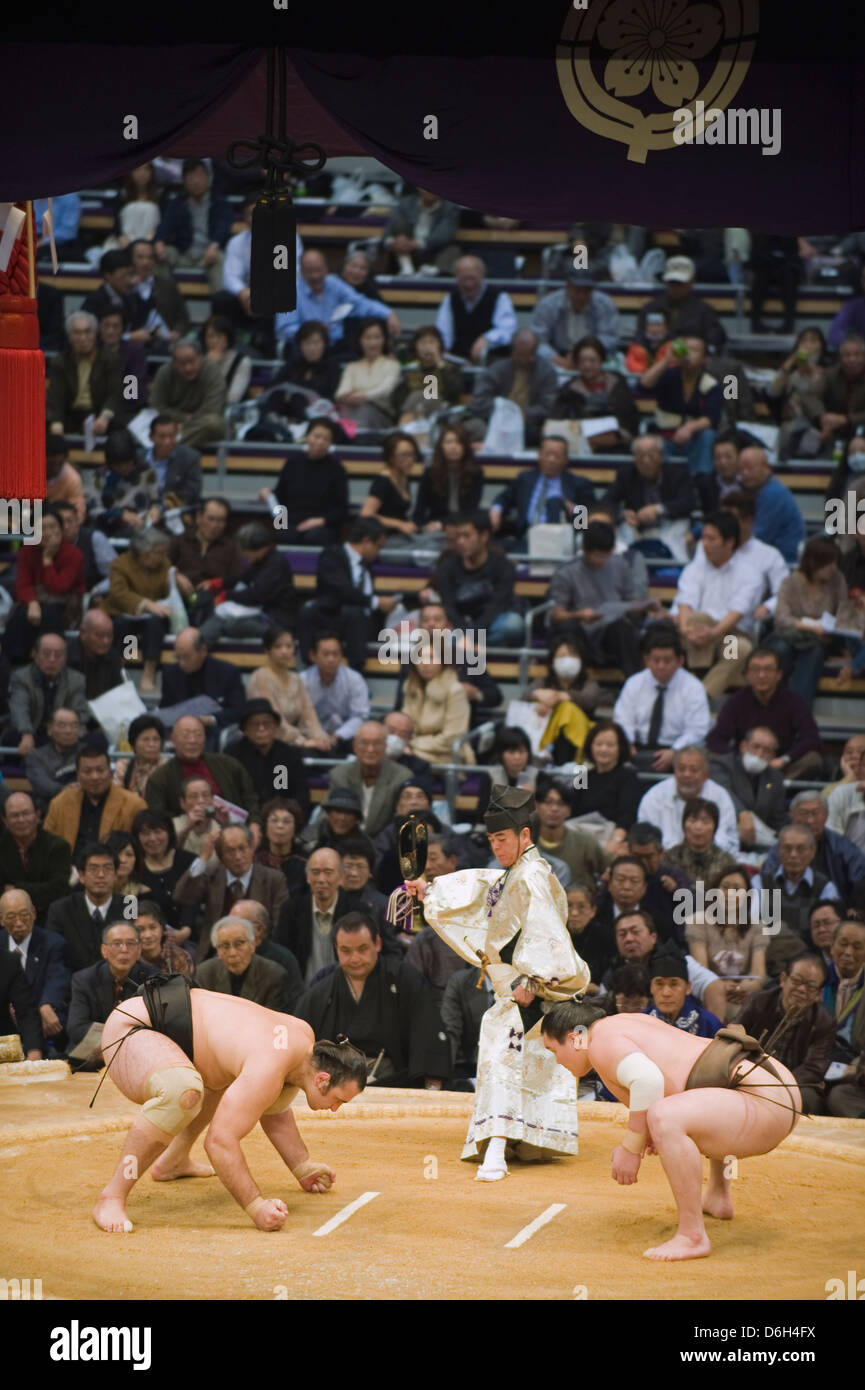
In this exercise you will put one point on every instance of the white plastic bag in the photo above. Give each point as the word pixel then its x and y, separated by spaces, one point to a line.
pixel 622 266
pixel 115 710
pixel 506 430
pixel 179 616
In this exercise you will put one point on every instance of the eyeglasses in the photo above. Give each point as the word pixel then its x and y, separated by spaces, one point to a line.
pixel 233 945
pixel 122 945
pixel 799 983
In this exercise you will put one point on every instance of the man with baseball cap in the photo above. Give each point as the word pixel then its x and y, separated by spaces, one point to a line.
pixel 688 316
pixel 579 310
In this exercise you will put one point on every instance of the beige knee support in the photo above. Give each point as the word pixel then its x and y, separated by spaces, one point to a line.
pixel 166 1087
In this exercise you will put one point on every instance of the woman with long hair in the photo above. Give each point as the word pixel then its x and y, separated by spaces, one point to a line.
pixel 389 499
pixel 796 394
pixel 611 788
pixel 277 682
pixel 140 212
pixel 130 879
pixel 158 948
pixel 163 864
pixel 439 708
pixel 801 641
pixel 367 384
pixel 49 587
pixel 453 481
pixel 218 338
pixel 734 947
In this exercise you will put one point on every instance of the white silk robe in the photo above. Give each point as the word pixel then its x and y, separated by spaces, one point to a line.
pixel 522 1092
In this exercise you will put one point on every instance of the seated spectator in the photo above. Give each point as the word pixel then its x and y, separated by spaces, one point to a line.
pixel 778 520
pixel 146 738
pixel 63 482
pixel 612 790
pixel 837 856
pixel 196 673
pixel 799 884
pixel 341 820
pixel 824 919
pixel 81 916
pixel 565 316
pixel 414 799
pixel 99 554
pixel 32 859
pixel 805 1045
pixel 593 393
pixel 627 889
pixel 687 315
pixel 90 808
pixel 365 390
pixel 205 553
pixel 796 393
pixel 761 559
pixel 356 855
pixel 326 299
pixel 200 822
pixel 842 392
pixel 453 481
pixel 463 1006
pixel 235 366
pixel 375 778
pixel 846 812
pixel 696 854
pixel 177 467
pixel 49 585
pixel 735 947
pixel 345 596
pixel 272 763
pixel 565 695
pixel 717 597
pixel 484 695
pixel 776 262
pixel 429 383
pixel 158 949
pixel 688 403
pixel 190 391
pixel 389 499
pixel 38 689
pixel 267 949
pixel 422 231
pixel 514 768
pixel 67 217
pixel 196 225
pixel 163 864
pixel 154 283
pixel 42 957
pixel 238 969
pixel 282 687
pixel 476 581
pixel 130 879
pixel 97 989
pixel 766 701
pixel 664 707
pixel 631 990
pixel 851 316
pixel 756 787
pixel 547 494
pixel 599 595
pixel 389 1004
pixel 306 919
pixel 227 777
pixel 312 490
pixel 671 1000
pixel 438 706
pixel 651 345
pixel 233 300
pixel 653 499
pixel 115 267
pixel 590 937
pixel 138 601
pixel 645 843
pixel 93 654
pixel 664 803
pixel 474 317
pixel 282 819
pixel 843 997
pixel 266 586
pixel 432 958
pixel 636 940
pixel 84 381
pixel 523 377
pixel 800 639
pixel 52 767
pixel 576 848
pixel 714 488
pixel 235 874
pixel 19 1013
pixel 310 364
pixel 339 695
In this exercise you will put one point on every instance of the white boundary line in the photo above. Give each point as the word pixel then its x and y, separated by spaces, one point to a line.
pixel 346 1212
pixel 528 1231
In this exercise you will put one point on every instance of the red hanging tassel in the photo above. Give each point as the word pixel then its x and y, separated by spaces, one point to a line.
pixel 22 374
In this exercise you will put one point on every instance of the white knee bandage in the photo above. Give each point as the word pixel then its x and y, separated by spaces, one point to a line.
pixel 166 1088
pixel 644 1081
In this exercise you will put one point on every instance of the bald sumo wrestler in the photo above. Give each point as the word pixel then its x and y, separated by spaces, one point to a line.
pixel 684 1102
pixel 196 1060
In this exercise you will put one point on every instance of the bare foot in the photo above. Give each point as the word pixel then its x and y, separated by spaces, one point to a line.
pixel 680 1248
pixel 110 1214
pixel 718 1204
pixel 184 1168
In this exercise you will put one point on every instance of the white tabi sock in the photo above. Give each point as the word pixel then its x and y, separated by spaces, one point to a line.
pixel 494 1160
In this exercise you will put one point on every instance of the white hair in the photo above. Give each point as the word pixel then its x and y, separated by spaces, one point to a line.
pixel 248 928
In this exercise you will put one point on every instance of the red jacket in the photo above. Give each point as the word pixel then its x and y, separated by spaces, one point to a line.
pixel 64 576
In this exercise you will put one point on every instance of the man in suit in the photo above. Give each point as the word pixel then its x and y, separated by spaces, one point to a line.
pixel 42 955
pixel 653 498
pixel 273 764
pixel 225 774
pixel 375 779
pixel 18 1011
pixel 51 768
pixel 84 358
pixel 93 654
pixel 842 862
pixel 206 552
pixel 31 859
pixel 548 493
pixel 756 787
pixel 267 949
pixel 219 883
pixel 96 806
pixel 47 684
pixel 422 230
pixel 197 673
pixel 99 988
pixel 345 598
pixel 177 466
pixel 115 267
pixel 177 241
pixel 306 919
pixel 238 969
pixel 807 1044
pixel 462 1009
pixel 157 290
pixel 524 377
pixel 80 917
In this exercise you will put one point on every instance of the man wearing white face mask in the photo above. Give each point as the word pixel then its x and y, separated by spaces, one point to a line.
pixel 756 788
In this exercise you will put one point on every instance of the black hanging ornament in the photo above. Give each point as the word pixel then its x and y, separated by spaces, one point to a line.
pixel 272 276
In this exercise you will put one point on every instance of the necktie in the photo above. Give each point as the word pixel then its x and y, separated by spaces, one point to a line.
pixel 118 991
pixel 540 512
pixel 97 919
pixel 235 888
pixel 657 717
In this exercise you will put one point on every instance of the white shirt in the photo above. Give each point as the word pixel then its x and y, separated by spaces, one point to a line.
pixel 101 908
pixel 735 587
pixel 22 946
pixel 501 330
pixel 663 806
pixel 771 565
pixel 238 253
pixel 686 719
pixel 360 575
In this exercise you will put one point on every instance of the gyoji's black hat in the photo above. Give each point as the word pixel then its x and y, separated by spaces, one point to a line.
pixel 510 808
